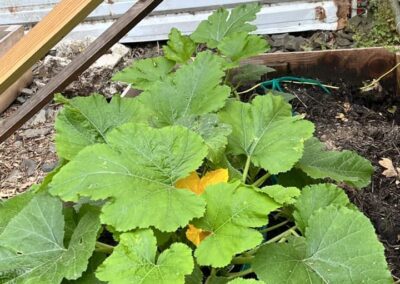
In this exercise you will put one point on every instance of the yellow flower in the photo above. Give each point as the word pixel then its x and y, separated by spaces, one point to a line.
pixel 196 235
pixel 197 185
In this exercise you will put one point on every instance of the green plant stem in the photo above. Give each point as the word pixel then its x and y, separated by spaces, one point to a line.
pixel 246 169
pixel 236 95
pixel 212 274
pixel 274 227
pixel 261 180
pixel 102 247
pixel 242 259
pixel 240 273
pixel 273 240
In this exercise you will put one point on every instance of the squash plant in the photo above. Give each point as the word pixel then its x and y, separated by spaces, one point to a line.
pixel 186 183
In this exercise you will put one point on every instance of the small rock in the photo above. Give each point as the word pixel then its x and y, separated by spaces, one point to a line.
pixel 39 118
pixel 26 91
pixel 32 133
pixel 21 99
pixel 110 61
pixel 293 43
pixel 343 42
pixel 29 166
pixel 17 144
pixel 48 167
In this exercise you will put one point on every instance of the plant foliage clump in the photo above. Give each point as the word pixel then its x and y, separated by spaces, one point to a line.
pixel 189 184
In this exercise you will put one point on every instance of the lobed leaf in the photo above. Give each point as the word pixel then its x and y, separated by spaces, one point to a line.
pixel 134 261
pixel 266 131
pixel 223 23
pixel 136 173
pixel 315 197
pixel 281 195
pixel 345 166
pixel 211 130
pixel 179 48
pixel 194 89
pixel 145 72
pixel 340 246
pixel 32 244
pixel 231 214
pixel 87 120
pixel 238 46
pixel 245 281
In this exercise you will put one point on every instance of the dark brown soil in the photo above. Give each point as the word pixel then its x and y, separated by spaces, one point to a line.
pixel 365 123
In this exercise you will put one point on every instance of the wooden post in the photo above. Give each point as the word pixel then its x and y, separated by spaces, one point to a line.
pixel 31 48
pixel 96 49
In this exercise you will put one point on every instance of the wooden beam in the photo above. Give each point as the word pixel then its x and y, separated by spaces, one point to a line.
pixel 352 66
pixel 9 36
pixel 60 21
pixel 97 48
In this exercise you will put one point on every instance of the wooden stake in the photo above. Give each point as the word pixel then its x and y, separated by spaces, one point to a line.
pixel 97 48
pixel 31 48
pixel 397 78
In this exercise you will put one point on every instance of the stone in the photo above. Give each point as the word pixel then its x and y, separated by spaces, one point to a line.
pixel 33 133
pixel 29 166
pixel 39 118
pixel 48 167
pixel 112 59
pixel 343 42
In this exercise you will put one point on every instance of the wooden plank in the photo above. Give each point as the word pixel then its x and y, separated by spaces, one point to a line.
pixel 353 66
pixel 97 48
pixel 11 35
pixel 62 19
pixel 397 74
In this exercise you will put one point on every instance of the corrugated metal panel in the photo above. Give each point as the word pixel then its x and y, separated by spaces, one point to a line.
pixel 276 16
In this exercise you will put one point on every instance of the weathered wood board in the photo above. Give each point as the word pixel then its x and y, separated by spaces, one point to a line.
pixel 9 35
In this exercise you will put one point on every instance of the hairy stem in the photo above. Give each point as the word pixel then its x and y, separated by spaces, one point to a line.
pixel 102 247
pixel 246 169
pixel 240 273
pixel 274 227
pixel 212 274
pixel 242 259
pixel 261 180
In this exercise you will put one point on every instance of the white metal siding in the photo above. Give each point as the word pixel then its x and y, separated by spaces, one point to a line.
pixel 276 16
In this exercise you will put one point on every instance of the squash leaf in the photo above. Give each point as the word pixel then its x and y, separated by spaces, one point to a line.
pixel 248 74
pixel 340 246
pixel 134 261
pixel 194 89
pixel 313 198
pixel 232 213
pixel 223 23
pixel 214 133
pixel 238 46
pixel 345 166
pixel 87 120
pixel 32 244
pixel 266 131
pixel 281 195
pixel 136 172
pixel 145 72
pixel 179 48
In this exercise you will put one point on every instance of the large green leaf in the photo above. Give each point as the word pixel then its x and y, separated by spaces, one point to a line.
pixel 245 281
pixel 266 131
pixel 223 23
pixel 248 74
pixel 238 46
pixel 340 246
pixel 145 72
pixel 32 244
pixel 136 172
pixel 211 130
pixel 11 207
pixel 281 195
pixel 345 166
pixel 134 261
pixel 232 213
pixel 179 48
pixel 313 198
pixel 87 120
pixel 194 89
